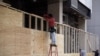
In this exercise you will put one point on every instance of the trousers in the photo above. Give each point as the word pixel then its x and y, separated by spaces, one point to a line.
pixel 52 35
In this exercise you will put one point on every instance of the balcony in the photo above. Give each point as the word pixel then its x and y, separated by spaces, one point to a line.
pixel 75 6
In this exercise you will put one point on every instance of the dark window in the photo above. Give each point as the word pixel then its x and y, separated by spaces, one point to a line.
pixel 33 22
pixel 44 26
pixel 38 23
pixel 26 21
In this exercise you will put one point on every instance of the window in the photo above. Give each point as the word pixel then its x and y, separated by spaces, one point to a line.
pixel 34 22
pixel 65 18
pixel 38 23
pixel 26 21
pixel 44 25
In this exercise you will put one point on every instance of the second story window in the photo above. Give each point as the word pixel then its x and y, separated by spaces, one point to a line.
pixel 26 21
pixel 35 22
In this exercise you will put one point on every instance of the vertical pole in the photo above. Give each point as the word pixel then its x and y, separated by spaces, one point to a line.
pixel 65 40
pixel 42 24
pixel 85 41
pixel 74 41
pixel 61 14
pixel 69 40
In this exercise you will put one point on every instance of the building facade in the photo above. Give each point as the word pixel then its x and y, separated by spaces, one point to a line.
pixel 26 33
pixel 93 25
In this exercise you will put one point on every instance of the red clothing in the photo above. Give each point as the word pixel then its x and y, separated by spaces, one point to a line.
pixel 51 21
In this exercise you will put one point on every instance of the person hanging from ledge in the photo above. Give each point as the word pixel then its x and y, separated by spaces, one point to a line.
pixel 51 21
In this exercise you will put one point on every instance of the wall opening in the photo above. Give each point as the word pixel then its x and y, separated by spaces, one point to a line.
pixel 26 21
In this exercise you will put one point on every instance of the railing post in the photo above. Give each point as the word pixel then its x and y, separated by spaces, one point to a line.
pixel 42 24
pixel 85 42
pixel 65 39
pixel 69 40
pixel 60 29
pixel 74 40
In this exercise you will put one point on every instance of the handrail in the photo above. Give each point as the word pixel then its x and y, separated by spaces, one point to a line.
pixel 75 28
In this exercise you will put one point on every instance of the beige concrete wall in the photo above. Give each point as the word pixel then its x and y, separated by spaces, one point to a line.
pixel 15 40
pixel 10 17
pixel 41 42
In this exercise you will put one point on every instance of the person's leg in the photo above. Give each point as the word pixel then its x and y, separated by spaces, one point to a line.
pixel 53 40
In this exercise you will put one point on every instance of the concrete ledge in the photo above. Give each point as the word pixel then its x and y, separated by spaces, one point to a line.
pixel 4 4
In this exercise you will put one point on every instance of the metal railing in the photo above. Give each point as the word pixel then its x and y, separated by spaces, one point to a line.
pixel 75 39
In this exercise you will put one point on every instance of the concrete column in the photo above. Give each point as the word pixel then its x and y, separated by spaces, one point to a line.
pixel 61 12
pixel 53 8
pixel 56 8
pixel 61 15
pixel 85 35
